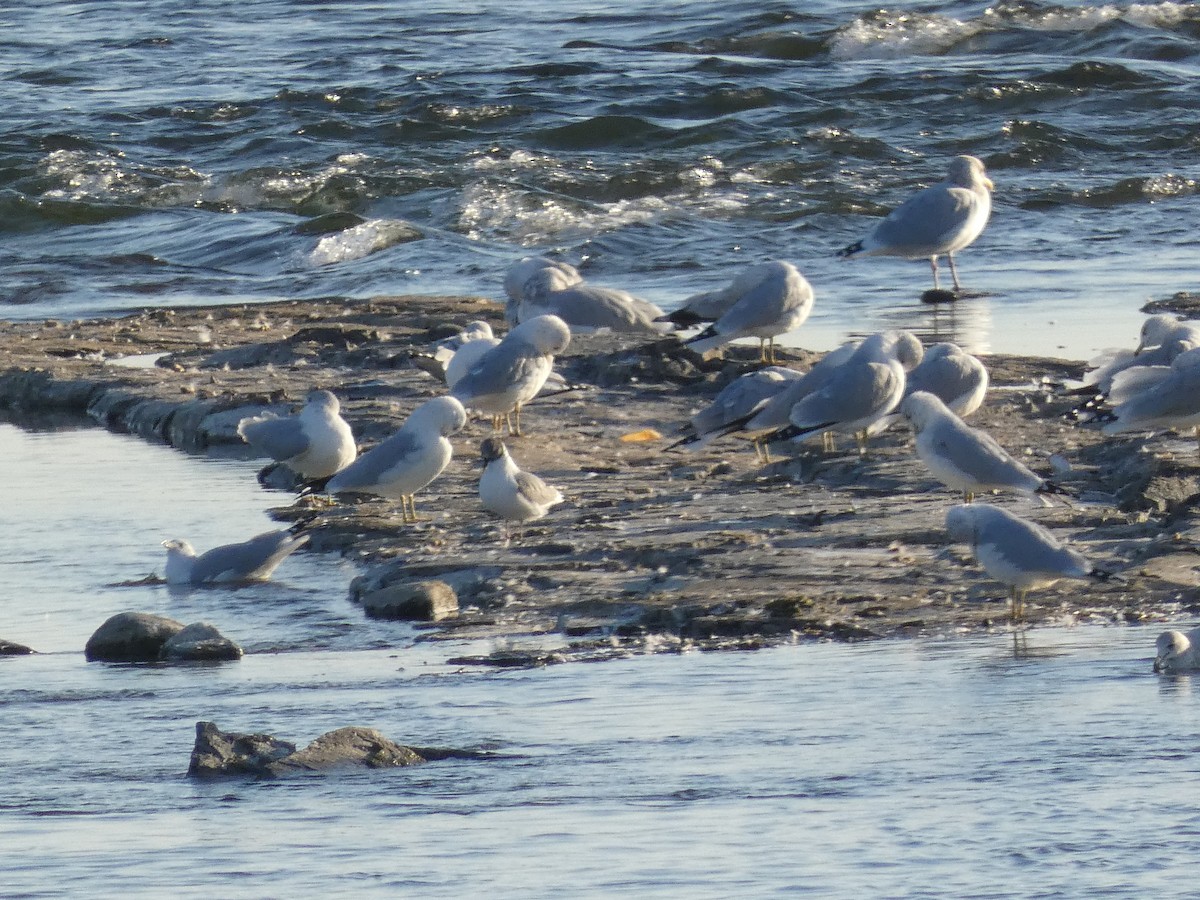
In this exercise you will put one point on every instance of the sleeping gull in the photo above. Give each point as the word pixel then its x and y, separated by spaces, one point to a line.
pixel 735 404
pixel 965 458
pixel 508 492
pixel 1177 651
pixel 511 373
pixel 860 394
pixel 940 220
pixel 1016 552
pixel 586 307
pixel 315 443
pixel 775 299
pixel 252 560
pixel 956 377
pixel 1169 398
pixel 408 460
pixel 519 273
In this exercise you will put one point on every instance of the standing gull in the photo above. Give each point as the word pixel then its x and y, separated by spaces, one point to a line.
pixel 965 458
pixel 510 374
pixel 1016 552
pixel 252 560
pixel 775 299
pixel 315 443
pixel 508 492
pixel 737 402
pixel 940 220
pixel 408 460
pixel 952 375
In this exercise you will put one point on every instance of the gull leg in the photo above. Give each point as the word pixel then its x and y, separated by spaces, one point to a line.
pixel 860 438
pixel 968 496
pixel 762 351
pixel 933 266
pixel 953 273
pixel 517 416
pixel 497 422
pixel 1018 603
pixel 827 443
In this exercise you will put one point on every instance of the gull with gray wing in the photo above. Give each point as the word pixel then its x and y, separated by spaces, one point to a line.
pixel 248 561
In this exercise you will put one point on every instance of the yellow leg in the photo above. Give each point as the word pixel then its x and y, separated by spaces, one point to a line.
pixel 1018 603
pixel 516 432
pixel 861 439
pixel 827 442
pixel 968 496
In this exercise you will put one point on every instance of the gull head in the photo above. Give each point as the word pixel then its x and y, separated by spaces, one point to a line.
pixel 922 409
pixel 960 522
pixel 492 449
pixel 1169 647
pixel 178 545
pixel 445 415
pixel 549 335
pixel 323 400
pixel 906 349
pixel 519 273
pixel 1155 330
pixel 969 172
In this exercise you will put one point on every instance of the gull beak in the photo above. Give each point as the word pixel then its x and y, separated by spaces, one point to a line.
pixel 987 183
pixel 1158 664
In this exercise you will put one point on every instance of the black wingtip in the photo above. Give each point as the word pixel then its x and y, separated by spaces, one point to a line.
pixel 682 318
pixel 706 333
pixel 1049 487
pixel 856 247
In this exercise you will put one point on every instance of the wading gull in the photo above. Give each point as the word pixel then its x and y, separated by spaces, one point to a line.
pixel 939 221
pixel 408 460
pixel 508 492
pixel 315 443
pixel 775 299
pixel 965 458
pixel 252 560
pixel 510 374
pixel 1016 552
pixel 1177 651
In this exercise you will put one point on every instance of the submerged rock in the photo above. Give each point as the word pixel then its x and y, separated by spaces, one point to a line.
pixel 199 642
pixel 228 753
pixel 424 601
pixel 9 648
pixel 131 637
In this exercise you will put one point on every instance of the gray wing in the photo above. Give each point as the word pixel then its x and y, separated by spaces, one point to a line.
pixel 281 439
pixel 857 392
pixel 977 454
pixel 926 219
pixel 1176 397
pixel 587 306
pixel 498 370
pixel 770 299
pixel 1029 547
pixel 535 490
pixel 250 560
pixel 742 397
pixel 366 472
pixel 946 377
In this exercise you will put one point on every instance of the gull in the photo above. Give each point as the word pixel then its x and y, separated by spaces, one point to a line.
pixel 1167 398
pixel 709 306
pixel 956 377
pixel 252 560
pixel 940 220
pixel 1162 337
pixel 315 443
pixel 965 458
pixel 526 267
pixel 508 492
pixel 408 460
pixel 774 299
pixel 510 374
pixel 860 394
pixel 585 307
pixel 736 403
pixel 1016 552
pixel 1177 651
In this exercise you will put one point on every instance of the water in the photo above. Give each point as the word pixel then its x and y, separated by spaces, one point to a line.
pixel 1048 764
pixel 214 151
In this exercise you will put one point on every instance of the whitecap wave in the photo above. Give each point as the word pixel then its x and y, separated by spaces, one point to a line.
pixel 362 240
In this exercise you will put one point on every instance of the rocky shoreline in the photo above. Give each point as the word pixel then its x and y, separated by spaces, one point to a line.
pixel 654 549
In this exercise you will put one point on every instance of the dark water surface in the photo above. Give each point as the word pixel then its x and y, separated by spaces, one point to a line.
pixel 170 153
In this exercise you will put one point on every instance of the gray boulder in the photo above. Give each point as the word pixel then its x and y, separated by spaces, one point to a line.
pixel 423 601
pixel 131 637
pixel 199 642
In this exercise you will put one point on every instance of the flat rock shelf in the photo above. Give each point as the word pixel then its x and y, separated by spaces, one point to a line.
pixel 655 549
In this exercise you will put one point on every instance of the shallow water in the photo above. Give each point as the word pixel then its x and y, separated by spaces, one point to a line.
pixel 1045 764
pixel 214 151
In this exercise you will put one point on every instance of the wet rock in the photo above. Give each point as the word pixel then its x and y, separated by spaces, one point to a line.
pixel 1182 303
pixel 218 753
pixel 199 642
pixel 423 601
pixel 131 637
pixel 511 659
pixel 9 648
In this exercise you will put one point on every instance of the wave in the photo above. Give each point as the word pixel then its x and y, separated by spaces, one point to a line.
pixel 362 240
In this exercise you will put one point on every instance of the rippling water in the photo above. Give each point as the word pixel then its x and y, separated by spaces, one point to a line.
pixel 1046 764
pixel 215 151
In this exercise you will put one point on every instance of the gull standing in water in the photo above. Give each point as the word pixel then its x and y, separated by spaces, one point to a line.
pixel 774 299
pixel 510 374
pixel 964 458
pixel 939 221
pixel 315 443
pixel 1016 552
pixel 508 492
pixel 252 560
pixel 408 460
